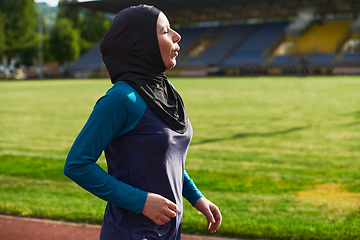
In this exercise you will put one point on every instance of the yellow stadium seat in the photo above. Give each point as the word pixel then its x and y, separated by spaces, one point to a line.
pixel 325 37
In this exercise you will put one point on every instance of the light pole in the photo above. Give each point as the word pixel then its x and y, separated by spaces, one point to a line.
pixel 41 45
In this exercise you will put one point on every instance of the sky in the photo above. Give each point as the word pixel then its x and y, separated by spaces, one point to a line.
pixel 51 3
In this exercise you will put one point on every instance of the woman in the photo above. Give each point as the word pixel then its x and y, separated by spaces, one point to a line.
pixel 143 129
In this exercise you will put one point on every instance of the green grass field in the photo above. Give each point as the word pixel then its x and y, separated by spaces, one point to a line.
pixel 278 155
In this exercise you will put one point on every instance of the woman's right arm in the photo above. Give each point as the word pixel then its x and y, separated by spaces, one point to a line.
pixel 114 114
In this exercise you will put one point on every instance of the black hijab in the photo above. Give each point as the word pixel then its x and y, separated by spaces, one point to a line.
pixel 131 53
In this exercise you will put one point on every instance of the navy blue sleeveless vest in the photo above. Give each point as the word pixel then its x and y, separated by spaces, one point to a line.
pixel 151 157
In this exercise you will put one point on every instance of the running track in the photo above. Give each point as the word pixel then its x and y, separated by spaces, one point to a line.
pixel 16 228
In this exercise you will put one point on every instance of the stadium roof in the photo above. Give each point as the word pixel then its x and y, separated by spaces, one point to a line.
pixel 191 11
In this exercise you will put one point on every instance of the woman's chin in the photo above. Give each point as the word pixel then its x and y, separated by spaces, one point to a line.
pixel 171 64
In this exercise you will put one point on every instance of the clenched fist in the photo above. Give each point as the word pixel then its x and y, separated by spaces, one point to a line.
pixel 159 209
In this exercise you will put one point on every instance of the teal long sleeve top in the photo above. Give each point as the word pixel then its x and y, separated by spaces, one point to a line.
pixel 115 114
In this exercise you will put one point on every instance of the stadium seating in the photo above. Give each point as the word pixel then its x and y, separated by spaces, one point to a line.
pixel 321 37
pixel 349 60
pixel 225 41
pixel 285 62
pixel 322 60
pixel 188 37
pixel 249 53
pixel 241 48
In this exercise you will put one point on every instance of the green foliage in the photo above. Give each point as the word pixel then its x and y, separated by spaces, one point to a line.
pixel 94 26
pixel 48 55
pixel 2 36
pixel 19 25
pixel 64 41
pixel 71 13
pixel 277 155
pixel 91 25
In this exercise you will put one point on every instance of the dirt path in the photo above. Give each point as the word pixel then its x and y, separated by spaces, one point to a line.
pixel 15 228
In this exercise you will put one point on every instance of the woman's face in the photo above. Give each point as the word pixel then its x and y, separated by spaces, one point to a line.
pixel 168 40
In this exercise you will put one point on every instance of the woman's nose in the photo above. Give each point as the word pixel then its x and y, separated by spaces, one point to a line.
pixel 176 37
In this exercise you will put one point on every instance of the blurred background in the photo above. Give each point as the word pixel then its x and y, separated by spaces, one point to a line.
pixel 52 39
pixel 278 153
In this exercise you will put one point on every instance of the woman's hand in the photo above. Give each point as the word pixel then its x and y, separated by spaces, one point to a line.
pixel 159 209
pixel 211 212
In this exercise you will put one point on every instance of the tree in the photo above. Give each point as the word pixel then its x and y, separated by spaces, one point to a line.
pixel 71 13
pixel 64 41
pixel 19 26
pixel 93 28
pixel 91 25
pixel 2 36
pixel 94 25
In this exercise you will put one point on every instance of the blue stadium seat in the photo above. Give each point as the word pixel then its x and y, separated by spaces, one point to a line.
pixel 321 60
pixel 249 52
pixel 222 47
pixel 286 61
pixel 188 36
pixel 349 59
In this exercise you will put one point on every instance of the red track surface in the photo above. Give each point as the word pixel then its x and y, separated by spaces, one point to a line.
pixel 15 228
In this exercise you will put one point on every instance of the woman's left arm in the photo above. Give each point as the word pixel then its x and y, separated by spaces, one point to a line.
pixel 210 210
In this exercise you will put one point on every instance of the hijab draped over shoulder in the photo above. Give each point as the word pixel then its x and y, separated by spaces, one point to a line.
pixel 131 53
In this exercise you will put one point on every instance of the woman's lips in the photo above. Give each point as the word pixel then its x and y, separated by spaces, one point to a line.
pixel 176 51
